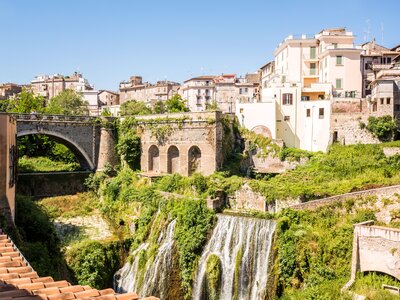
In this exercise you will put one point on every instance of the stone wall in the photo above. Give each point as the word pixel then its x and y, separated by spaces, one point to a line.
pixel 182 143
pixel 375 248
pixel 40 185
pixel 384 192
pixel 246 199
pixel 348 131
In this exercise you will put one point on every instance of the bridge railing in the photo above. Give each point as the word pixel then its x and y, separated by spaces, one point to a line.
pixel 59 118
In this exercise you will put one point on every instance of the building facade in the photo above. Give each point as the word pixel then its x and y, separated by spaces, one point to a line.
pixel 50 86
pixel 8 90
pixel 224 90
pixel 136 89
pixel 312 93
pixel 8 166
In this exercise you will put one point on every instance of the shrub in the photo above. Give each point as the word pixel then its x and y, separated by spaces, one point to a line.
pixel 384 128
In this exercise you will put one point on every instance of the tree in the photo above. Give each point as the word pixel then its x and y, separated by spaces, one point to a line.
pixel 68 102
pixel 26 102
pixel 159 107
pixel 134 107
pixel 176 104
pixel 384 128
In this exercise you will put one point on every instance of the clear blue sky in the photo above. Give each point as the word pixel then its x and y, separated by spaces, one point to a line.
pixel 110 40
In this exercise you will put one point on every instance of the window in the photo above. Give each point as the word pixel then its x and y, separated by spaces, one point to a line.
pixel 207 92
pixel 397 107
pixel 246 90
pixel 388 60
pixel 240 91
pixel 313 52
pixel 283 79
pixel 339 60
pixel 198 92
pixel 286 118
pixel 312 69
pixel 335 136
pixel 339 83
pixel 334 45
pixel 374 107
pixel 326 62
pixel 368 66
pixel 321 113
pixel 382 101
pixel 287 99
pixel 308 112
pixel 387 100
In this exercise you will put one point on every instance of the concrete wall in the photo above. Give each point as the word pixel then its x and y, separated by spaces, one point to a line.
pixel 8 167
pixel 194 144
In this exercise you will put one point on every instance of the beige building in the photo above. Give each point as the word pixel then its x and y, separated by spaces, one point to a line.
pixel 50 86
pixel 9 90
pixel 223 90
pixel 375 58
pixel 108 98
pixel 8 165
pixel 136 89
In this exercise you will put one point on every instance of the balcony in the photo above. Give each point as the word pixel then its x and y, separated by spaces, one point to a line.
pixel 377 67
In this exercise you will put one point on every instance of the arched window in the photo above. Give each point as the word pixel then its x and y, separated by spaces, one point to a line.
pixel 154 159
pixel 173 160
pixel 194 160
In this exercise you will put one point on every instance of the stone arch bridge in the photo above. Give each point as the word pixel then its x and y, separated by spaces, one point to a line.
pixel 92 144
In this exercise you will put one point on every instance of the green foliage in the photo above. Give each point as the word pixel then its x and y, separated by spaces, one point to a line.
pixel 213 106
pixel 314 250
pixel 194 222
pixel 4 105
pixel 343 169
pixel 294 154
pixel 134 107
pixel 44 164
pixel 176 104
pixel 129 148
pixel 370 285
pixel 159 107
pixel 94 263
pixel 37 238
pixel 68 102
pixel 213 276
pixel 106 112
pixel 26 102
pixel 384 128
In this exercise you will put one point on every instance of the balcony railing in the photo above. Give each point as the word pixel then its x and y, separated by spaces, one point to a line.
pixel 377 67
pixel 309 56
pixel 310 72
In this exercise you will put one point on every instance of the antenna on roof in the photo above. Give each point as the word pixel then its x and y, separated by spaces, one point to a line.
pixel 367 31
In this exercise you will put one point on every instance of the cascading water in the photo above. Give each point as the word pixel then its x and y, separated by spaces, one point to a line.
pixel 242 246
pixel 155 279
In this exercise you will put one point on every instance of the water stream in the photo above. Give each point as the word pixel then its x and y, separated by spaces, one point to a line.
pixel 243 246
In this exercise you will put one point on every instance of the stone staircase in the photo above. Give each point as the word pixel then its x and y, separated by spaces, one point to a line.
pixel 18 281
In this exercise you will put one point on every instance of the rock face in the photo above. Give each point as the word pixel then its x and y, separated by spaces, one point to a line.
pixel 93 227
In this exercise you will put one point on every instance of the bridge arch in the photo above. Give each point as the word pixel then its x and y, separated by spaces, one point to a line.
pixel 80 153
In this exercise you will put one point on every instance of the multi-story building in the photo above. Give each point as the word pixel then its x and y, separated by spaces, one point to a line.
pixel 136 89
pixel 375 58
pixel 108 98
pixel 8 166
pixel 8 90
pixel 223 90
pixel 50 86
pixel 310 79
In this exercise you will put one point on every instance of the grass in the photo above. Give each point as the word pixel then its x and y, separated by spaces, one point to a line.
pixel 43 164
pixel 81 204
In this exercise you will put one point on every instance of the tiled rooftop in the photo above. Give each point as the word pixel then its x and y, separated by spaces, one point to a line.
pixel 18 281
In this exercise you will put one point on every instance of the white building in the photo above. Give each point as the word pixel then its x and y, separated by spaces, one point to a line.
pixel 298 88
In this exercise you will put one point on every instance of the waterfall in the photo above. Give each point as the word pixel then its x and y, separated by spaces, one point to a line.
pixel 242 246
pixel 154 280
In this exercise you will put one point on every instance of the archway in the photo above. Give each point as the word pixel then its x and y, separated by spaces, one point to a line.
pixel 194 160
pixel 154 159
pixel 83 158
pixel 263 130
pixel 173 160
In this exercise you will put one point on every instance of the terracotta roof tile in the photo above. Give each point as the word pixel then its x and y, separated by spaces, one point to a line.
pixel 18 281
